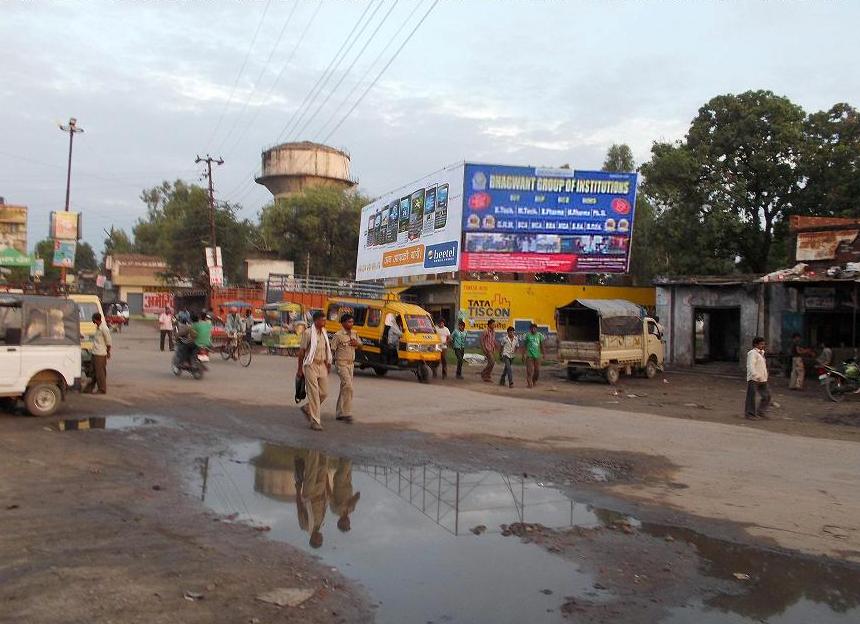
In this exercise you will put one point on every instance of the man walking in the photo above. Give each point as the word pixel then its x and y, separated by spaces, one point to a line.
pixel 458 342
pixel 533 355
pixel 757 381
pixel 165 326
pixel 510 344
pixel 488 346
pixel 101 354
pixel 445 336
pixel 345 342
pixel 315 358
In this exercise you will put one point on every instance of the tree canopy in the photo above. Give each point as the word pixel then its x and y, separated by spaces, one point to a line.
pixel 322 222
pixel 176 227
pixel 723 195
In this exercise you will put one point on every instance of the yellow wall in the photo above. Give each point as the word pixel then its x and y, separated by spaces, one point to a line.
pixel 518 303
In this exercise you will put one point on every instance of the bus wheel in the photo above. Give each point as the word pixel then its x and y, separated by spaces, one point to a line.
pixel 380 371
pixel 612 374
pixel 423 373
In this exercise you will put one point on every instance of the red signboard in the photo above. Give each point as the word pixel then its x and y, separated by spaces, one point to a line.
pixel 155 302
pixel 518 262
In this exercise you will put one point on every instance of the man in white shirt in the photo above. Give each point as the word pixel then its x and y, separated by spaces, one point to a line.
pixel 101 354
pixel 757 381
pixel 510 344
pixel 165 326
pixel 445 336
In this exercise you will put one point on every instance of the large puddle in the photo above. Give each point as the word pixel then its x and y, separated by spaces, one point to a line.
pixel 427 545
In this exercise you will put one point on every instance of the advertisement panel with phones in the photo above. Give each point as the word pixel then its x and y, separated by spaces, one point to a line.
pixel 414 230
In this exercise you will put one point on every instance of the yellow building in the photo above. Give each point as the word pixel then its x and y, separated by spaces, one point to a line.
pixel 519 304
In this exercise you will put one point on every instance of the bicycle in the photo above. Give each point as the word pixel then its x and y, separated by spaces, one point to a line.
pixel 238 350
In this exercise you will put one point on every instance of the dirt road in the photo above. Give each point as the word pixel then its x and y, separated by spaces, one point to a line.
pixel 106 522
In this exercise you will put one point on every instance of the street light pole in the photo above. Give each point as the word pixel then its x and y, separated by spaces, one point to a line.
pixel 72 129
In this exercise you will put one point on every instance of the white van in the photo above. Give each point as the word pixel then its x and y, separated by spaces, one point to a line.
pixel 40 351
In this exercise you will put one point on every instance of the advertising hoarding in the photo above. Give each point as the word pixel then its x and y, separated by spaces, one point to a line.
pixel 64 254
pixel 414 230
pixel 66 225
pixel 13 227
pixel 533 220
pixel 216 276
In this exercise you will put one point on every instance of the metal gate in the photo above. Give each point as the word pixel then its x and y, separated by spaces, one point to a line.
pixel 135 303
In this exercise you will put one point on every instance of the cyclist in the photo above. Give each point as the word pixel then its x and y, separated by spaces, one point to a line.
pixel 233 327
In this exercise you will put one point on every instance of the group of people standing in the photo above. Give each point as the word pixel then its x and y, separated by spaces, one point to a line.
pixel 530 348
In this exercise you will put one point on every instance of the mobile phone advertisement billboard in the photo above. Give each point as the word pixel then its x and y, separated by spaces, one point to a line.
pixel 414 230
pixel 533 220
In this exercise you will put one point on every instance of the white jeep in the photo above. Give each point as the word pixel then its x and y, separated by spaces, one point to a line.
pixel 40 351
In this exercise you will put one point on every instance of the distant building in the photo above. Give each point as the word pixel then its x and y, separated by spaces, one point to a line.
pixel 13 226
pixel 138 279
pixel 291 168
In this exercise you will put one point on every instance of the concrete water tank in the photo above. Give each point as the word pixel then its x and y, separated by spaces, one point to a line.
pixel 291 168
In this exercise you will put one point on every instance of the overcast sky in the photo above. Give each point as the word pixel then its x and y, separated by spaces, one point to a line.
pixel 542 83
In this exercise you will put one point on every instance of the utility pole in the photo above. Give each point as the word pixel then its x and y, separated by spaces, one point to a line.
pixel 218 161
pixel 72 129
pixel 213 242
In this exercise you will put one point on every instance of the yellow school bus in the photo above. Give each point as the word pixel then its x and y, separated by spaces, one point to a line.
pixel 419 347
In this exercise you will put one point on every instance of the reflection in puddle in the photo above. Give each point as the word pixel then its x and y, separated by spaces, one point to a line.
pixel 107 422
pixel 406 535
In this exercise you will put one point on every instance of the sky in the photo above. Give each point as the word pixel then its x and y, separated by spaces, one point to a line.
pixel 154 84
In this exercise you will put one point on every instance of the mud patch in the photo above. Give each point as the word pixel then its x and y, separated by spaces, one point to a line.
pixel 118 423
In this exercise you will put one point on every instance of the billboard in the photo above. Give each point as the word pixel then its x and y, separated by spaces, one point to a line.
pixel 533 220
pixel 414 230
pixel 13 227
pixel 66 225
pixel 64 254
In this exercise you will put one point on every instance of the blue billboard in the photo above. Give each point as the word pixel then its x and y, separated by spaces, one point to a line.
pixel 533 220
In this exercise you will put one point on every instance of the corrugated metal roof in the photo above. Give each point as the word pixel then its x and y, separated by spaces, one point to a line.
pixel 610 307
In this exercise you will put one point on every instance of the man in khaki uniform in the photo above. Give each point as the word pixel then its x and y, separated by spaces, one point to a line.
pixel 343 501
pixel 315 358
pixel 344 344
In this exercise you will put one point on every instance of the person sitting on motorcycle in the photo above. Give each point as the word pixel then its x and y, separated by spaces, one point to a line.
pixel 203 329
pixel 185 336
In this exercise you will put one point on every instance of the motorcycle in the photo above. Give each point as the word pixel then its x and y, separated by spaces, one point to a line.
pixel 838 382
pixel 194 365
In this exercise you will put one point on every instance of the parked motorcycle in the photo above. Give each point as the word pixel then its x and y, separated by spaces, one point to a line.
pixel 840 381
pixel 195 365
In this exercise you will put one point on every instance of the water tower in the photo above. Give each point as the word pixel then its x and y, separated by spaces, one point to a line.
pixel 291 168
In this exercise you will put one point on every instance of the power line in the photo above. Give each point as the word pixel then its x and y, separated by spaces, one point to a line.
pixel 260 75
pixel 277 80
pixel 382 71
pixel 370 67
pixel 331 73
pixel 319 80
pixel 239 75
pixel 348 69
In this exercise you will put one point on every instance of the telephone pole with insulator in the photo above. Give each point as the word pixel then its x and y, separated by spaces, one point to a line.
pixel 73 129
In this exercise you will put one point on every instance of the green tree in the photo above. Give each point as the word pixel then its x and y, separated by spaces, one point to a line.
pixel 118 242
pixel 176 227
pixel 726 189
pixel 322 222
pixel 619 158
pixel 85 258
pixel 831 163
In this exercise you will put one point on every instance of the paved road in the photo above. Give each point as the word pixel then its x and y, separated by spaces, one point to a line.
pixel 800 492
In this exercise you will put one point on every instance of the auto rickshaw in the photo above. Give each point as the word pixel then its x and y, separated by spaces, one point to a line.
pixel 285 324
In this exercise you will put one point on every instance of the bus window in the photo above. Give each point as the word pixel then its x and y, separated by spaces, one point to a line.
pixel 374 316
